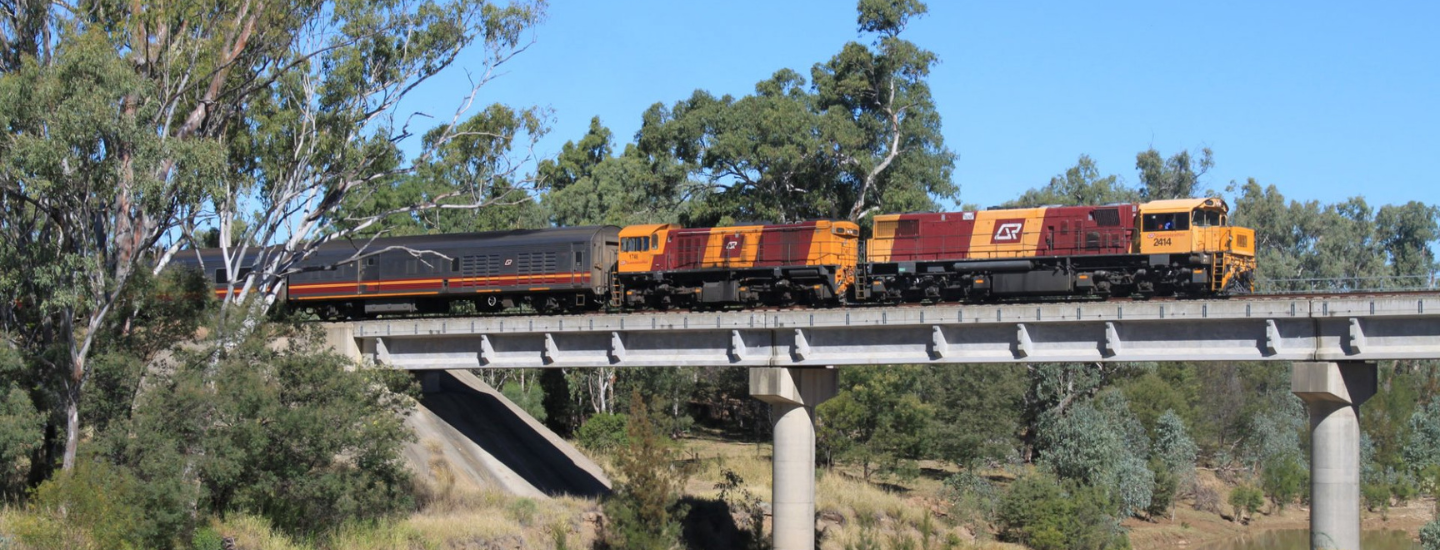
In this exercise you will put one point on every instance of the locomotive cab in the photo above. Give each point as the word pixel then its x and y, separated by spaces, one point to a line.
pixel 1195 234
pixel 640 245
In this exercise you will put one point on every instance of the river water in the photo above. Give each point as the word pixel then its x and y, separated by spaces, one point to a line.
pixel 1299 539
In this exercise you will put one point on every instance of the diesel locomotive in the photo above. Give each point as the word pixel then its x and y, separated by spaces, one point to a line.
pixel 1182 247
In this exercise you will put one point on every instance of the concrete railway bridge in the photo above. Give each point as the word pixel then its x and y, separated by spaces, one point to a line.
pixel 793 354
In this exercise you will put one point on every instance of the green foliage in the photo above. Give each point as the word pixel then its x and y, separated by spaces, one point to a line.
pixel 1246 500
pixel 1345 245
pixel 877 420
pixel 1385 427
pixel 1430 536
pixel 863 134
pixel 644 511
pixel 1284 479
pixel 471 166
pixel 586 185
pixel 977 411
pixel 1081 184
pixel 1101 444
pixel 1041 514
pixel 747 505
pixel 530 398
pixel 22 431
pixel 1173 446
pixel 667 393
pixel 1423 448
pixel 1376 496
pixel 95 505
pixel 1167 487
pixel 1172 178
pixel 207 539
pixel 974 499
pixel 290 433
pixel 604 432
pixel 1151 395
pixel 559 410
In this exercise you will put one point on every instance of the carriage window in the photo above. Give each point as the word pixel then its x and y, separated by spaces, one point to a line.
pixel 1166 222
pixel 578 258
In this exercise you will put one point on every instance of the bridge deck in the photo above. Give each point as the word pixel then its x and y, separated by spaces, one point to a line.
pixel 1334 328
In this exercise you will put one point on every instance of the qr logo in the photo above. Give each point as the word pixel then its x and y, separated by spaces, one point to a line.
pixel 1007 231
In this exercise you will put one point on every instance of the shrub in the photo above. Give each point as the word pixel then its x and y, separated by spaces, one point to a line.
pixel 644 512
pixel 1207 499
pixel 1376 496
pixel 1430 536
pixel 21 433
pixel 1167 485
pixel 1039 513
pixel 530 399
pixel 1284 478
pixel 1246 500
pixel 975 499
pixel 95 505
pixel 602 432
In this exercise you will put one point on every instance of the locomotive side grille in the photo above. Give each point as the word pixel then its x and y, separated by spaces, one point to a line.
pixel 531 263
pixel 1243 241
pixel 479 266
pixel 1107 217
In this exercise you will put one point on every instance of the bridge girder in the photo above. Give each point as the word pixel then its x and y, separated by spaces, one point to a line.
pixel 1300 329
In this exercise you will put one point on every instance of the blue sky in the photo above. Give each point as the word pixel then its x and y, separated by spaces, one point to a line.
pixel 1325 100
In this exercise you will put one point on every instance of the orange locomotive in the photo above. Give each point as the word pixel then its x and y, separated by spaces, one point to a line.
pixel 1173 247
pixel 663 266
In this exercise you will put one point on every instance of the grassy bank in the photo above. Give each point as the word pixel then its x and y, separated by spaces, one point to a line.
pixel 722 477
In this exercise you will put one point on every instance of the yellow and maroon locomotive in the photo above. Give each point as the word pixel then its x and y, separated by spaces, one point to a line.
pixel 1180 247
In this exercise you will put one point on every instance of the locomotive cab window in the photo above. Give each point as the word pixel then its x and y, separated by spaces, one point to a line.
pixel 1207 218
pixel 1178 221
pixel 635 244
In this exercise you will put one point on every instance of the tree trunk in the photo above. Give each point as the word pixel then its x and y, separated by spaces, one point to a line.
pixel 72 425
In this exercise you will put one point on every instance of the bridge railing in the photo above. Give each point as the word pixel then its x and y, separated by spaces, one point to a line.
pixel 1336 285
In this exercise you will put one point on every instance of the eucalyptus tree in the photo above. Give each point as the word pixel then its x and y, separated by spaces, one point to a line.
pixel 130 127
pixel 586 184
pixel 1177 177
pixel 861 135
pixel 1081 184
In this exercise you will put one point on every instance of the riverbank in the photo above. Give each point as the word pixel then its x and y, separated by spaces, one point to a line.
pixel 1194 528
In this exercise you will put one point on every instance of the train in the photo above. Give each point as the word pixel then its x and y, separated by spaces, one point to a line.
pixel 1180 248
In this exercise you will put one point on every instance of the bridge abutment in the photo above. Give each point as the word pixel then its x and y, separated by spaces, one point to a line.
pixel 1333 393
pixel 793 394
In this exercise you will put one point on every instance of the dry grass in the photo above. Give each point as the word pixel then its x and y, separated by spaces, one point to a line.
pixel 894 513
pixel 252 532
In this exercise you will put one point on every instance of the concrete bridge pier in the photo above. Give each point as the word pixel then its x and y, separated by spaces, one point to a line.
pixel 793 394
pixel 1333 393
